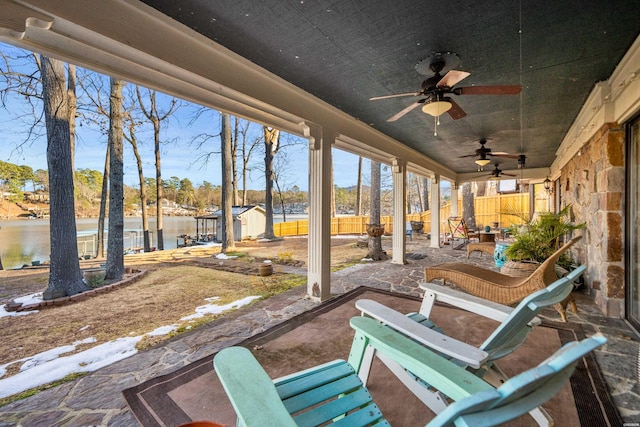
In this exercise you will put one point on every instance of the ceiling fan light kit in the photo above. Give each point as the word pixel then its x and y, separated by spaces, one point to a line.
pixel 441 81
pixel 482 162
pixel 438 107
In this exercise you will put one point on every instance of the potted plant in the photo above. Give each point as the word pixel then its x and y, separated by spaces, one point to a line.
pixel 537 240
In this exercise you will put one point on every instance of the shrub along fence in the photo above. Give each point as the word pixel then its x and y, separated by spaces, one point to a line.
pixel 504 210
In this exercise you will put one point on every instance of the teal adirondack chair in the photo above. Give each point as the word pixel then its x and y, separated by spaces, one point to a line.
pixel 516 323
pixel 333 392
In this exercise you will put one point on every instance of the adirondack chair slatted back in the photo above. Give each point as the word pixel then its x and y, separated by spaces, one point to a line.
pixel 512 332
pixel 521 393
pixel 327 393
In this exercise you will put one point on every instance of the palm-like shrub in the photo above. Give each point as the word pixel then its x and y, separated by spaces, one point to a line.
pixel 539 239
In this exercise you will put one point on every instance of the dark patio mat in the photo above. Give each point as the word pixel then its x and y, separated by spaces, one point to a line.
pixel 323 334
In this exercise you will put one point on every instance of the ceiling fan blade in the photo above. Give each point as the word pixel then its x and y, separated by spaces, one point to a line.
pixel 505 155
pixel 468 155
pixel 508 174
pixel 405 111
pixel 398 95
pixel 455 112
pixel 489 90
pixel 452 77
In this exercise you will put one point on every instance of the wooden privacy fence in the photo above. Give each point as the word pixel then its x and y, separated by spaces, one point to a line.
pixel 503 209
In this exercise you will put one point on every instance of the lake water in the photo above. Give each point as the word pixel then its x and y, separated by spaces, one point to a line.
pixel 26 240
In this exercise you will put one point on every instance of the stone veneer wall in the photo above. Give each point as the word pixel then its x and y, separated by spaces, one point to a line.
pixel 594 183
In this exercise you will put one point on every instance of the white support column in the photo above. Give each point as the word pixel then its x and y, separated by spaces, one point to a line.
pixel 319 250
pixel 435 212
pixel 399 211
pixel 454 199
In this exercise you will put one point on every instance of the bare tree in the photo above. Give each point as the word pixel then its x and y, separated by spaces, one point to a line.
pixel 156 118
pixel 271 147
pixel 247 146
pixel 280 175
pixel 228 238
pixel 375 242
pixel 131 138
pixel 115 245
pixel 65 277
pixel 92 85
pixel 235 141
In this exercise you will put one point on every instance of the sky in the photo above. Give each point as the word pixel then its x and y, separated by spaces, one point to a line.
pixel 50 366
pixel 183 153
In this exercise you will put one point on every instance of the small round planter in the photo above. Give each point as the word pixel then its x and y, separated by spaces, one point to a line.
pixel 498 254
pixel 265 269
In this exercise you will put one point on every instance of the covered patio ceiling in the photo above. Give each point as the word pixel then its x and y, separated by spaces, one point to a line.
pixel 299 63
pixel 345 52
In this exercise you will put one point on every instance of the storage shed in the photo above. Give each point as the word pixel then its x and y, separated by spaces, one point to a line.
pixel 248 223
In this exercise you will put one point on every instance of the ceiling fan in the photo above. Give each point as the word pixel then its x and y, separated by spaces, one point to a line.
pixel 483 153
pixel 497 173
pixel 435 88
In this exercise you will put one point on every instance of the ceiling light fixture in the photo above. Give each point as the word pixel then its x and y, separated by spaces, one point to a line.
pixel 482 162
pixel 437 107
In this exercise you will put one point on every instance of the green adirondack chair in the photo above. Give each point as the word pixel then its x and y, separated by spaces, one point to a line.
pixel 516 323
pixel 333 392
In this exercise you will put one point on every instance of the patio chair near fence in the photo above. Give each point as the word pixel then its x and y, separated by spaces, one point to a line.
pixel 458 231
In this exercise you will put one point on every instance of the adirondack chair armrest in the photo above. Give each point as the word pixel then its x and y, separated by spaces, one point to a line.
pixel 468 302
pixel 436 341
pixel 452 380
pixel 249 388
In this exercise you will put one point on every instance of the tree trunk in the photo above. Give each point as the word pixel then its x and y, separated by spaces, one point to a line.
pixel 159 190
pixel 65 277
pixel 73 109
pixel 280 198
pixel 426 188
pixel 359 189
pixel 115 246
pixel 418 191
pixel 228 238
pixel 482 188
pixel 103 205
pixel 156 119
pixel 375 243
pixel 234 166
pixel 270 145
pixel 143 191
pixel 468 209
